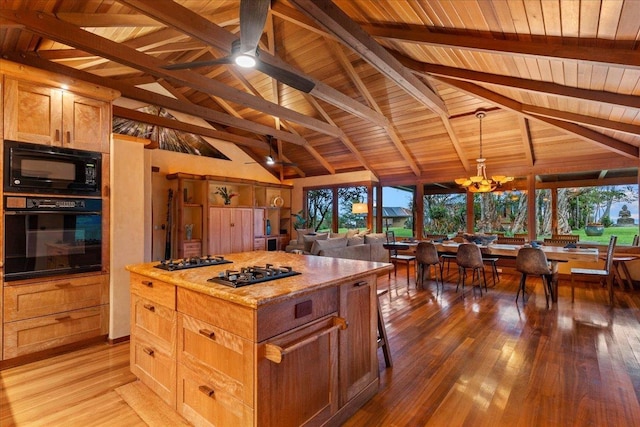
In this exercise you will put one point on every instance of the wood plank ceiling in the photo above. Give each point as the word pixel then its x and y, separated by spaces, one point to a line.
pixel 396 83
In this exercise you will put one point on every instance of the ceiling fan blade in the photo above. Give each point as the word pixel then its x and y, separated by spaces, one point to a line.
pixel 253 15
pixel 287 77
pixel 196 64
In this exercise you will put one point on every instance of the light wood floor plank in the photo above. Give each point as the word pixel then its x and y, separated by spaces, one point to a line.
pixel 473 361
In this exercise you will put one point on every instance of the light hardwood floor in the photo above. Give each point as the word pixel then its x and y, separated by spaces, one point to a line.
pixel 473 361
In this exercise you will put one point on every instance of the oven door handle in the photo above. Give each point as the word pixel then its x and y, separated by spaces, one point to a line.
pixel 6 212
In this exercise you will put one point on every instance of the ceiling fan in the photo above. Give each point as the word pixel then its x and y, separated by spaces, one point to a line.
pixel 245 52
pixel 270 160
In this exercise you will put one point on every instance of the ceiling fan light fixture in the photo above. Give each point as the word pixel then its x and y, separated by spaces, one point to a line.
pixel 245 60
pixel 270 160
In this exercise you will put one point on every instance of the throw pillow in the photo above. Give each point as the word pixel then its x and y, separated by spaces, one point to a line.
pixel 301 232
pixel 352 232
pixel 309 239
pixel 363 232
pixel 320 245
pixel 355 240
pixel 333 235
pixel 375 238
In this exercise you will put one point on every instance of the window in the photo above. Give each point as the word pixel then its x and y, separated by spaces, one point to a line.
pixel 597 213
pixel 502 212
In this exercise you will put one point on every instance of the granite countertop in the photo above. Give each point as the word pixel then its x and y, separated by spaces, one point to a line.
pixel 317 272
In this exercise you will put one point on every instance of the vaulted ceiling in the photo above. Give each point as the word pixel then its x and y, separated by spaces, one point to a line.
pixel 394 85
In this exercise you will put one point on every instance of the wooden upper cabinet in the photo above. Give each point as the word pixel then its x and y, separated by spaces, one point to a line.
pixel 45 115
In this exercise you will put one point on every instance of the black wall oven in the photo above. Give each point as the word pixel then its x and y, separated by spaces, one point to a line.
pixel 47 236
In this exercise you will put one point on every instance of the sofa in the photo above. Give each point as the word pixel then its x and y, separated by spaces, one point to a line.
pixel 367 248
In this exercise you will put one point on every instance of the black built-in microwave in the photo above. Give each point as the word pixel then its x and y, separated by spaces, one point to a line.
pixel 35 168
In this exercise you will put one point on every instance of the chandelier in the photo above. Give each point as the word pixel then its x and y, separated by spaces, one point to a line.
pixel 480 183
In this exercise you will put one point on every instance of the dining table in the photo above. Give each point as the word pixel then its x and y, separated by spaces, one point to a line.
pixel 555 255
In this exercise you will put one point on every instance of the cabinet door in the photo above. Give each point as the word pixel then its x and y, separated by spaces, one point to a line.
pixel 242 230
pixel 86 123
pixel 219 231
pixel 309 352
pixel 358 343
pixel 258 222
pixel 32 113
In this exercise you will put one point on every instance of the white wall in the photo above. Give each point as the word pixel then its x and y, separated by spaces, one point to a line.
pixel 127 232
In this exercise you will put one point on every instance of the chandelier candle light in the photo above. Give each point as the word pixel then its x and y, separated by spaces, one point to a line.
pixel 480 183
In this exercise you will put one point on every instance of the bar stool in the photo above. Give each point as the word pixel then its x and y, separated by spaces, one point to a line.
pixel 383 341
pixel 394 257
pixel 470 257
pixel 533 261
pixel 426 256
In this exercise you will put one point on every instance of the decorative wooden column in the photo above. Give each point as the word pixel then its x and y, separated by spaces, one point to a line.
pixel 531 207
pixel 418 215
pixel 470 212
pixel 554 210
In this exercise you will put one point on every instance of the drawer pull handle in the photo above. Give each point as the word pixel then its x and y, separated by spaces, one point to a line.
pixel 69 137
pixel 275 353
pixel 63 285
pixel 206 390
pixel 148 283
pixel 361 283
pixel 148 350
pixel 207 333
pixel 149 307
pixel 63 318
pixel 57 135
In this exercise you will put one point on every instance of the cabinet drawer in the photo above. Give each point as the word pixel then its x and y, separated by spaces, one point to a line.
pixel 259 244
pixel 192 249
pixel 155 367
pixel 45 332
pixel 236 319
pixel 54 296
pixel 154 290
pixel 202 403
pixel 225 359
pixel 277 318
pixel 154 319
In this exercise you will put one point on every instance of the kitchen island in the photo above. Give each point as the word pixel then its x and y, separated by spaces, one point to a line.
pixel 300 349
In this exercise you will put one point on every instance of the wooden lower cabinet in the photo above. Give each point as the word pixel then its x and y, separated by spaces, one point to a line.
pixel 304 360
pixel 155 365
pixel 358 363
pixel 43 314
pixel 55 330
pixel 153 335
pixel 298 377
pixel 230 230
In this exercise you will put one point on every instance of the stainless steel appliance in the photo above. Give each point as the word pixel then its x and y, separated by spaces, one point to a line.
pixel 36 168
pixel 193 262
pixel 48 236
pixel 252 275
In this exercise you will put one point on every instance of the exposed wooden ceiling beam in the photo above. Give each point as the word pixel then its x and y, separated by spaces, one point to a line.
pixel 127 113
pixel 345 140
pixel 152 98
pixel 48 26
pixel 519 83
pixel 362 87
pixel 329 16
pixel 527 144
pixel 612 144
pixel 199 28
pixel 581 118
pixel 569 49
pixel 113 20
